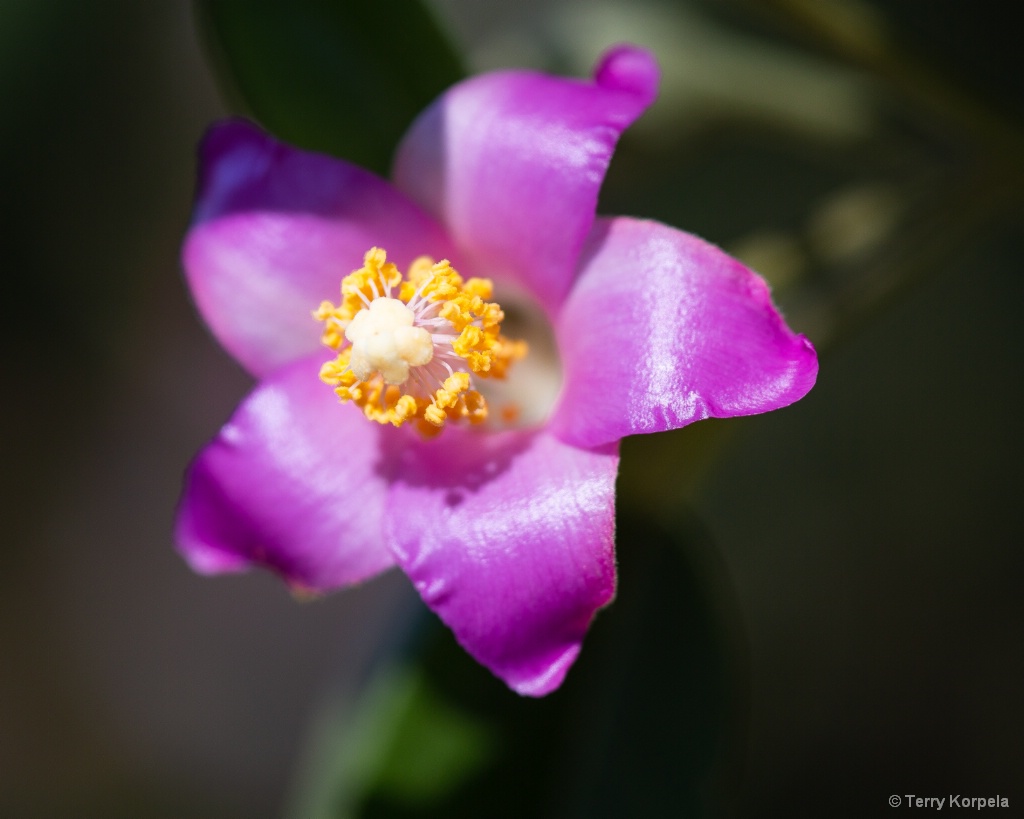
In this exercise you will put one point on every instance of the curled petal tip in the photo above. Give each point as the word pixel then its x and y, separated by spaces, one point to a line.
pixel 631 69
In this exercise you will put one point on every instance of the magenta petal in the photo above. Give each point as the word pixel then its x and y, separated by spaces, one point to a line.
pixel 511 163
pixel 293 482
pixel 510 539
pixel 275 230
pixel 663 329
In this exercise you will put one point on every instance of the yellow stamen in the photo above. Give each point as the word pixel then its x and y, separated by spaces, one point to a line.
pixel 414 345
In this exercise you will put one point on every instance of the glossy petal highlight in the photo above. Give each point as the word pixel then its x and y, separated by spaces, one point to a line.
pixel 512 162
pixel 663 329
pixel 274 231
pixel 293 483
pixel 510 539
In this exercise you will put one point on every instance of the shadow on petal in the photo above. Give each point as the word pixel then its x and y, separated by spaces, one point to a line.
pixel 459 459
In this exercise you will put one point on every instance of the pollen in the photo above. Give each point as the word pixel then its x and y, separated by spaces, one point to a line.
pixel 409 348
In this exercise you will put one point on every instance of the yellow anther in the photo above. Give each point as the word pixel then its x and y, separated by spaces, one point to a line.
pixel 471 338
pixel 475 406
pixel 324 311
pixel 434 415
pixel 453 313
pixel 457 382
pixel 406 407
pixel 505 353
pixel 481 288
pixel 443 399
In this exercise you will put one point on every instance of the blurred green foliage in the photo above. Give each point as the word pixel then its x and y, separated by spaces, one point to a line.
pixel 344 77
pixel 646 723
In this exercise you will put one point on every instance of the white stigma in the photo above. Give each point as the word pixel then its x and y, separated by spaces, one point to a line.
pixel 385 340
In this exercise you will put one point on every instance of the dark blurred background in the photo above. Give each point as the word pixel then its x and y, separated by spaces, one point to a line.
pixel 864 544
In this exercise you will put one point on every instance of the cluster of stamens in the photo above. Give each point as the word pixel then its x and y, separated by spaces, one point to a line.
pixel 409 349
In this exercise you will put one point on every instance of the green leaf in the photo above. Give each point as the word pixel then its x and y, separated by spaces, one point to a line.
pixel 345 77
pixel 645 725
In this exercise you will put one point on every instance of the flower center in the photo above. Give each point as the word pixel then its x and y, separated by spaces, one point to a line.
pixel 385 339
pixel 415 345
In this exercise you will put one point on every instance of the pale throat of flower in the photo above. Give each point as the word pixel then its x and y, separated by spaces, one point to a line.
pixel 415 344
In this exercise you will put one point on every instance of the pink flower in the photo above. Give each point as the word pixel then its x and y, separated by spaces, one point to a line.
pixel 507 533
